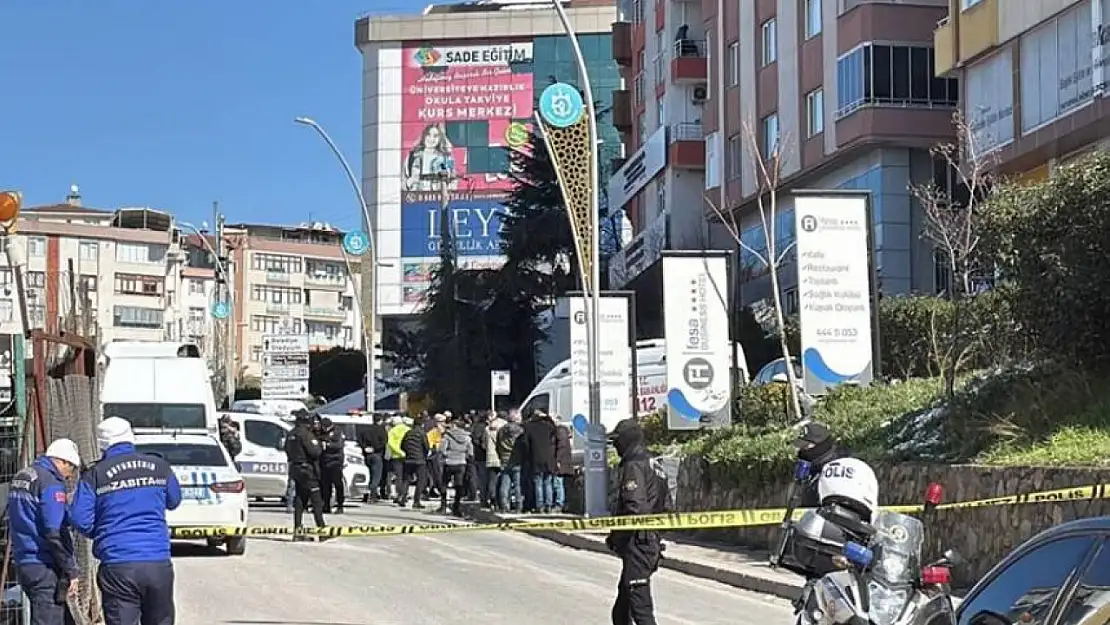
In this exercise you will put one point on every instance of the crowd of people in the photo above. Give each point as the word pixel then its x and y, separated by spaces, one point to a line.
pixel 495 459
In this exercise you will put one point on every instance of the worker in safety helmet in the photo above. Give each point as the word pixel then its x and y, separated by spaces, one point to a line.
pixel 42 545
pixel 121 504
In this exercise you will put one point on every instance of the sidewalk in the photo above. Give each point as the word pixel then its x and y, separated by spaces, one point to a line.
pixel 721 563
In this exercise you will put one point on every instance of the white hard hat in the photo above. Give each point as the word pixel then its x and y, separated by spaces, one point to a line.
pixel 113 431
pixel 64 449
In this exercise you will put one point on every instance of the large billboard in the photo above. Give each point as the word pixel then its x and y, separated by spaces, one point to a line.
pixel 463 110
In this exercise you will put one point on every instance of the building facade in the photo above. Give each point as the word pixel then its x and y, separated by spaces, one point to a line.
pixel 453 91
pixel 842 94
pixel 1034 77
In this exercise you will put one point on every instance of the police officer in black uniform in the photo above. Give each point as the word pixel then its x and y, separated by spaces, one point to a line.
pixel 640 492
pixel 302 450
pixel 816 446
pixel 331 465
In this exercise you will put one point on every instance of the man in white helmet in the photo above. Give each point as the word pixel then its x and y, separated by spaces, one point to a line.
pixel 121 505
pixel 41 539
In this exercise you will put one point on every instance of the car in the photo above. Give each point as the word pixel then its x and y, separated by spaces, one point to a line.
pixel 213 493
pixel 775 371
pixel 1059 577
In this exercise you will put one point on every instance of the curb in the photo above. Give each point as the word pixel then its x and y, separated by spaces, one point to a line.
pixel 718 574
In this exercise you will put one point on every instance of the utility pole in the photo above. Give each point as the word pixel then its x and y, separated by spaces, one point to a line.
pixel 448 255
pixel 223 293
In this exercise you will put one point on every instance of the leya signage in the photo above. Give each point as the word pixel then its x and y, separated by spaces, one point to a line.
pixel 464 110
pixel 834 290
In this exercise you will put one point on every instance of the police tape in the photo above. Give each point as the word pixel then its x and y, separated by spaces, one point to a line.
pixel 683 521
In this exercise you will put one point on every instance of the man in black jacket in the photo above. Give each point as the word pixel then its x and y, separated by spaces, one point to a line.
pixel 639 492
pixel 331 466
pixel 416 449
pixel 817 447
pixel 372 439
pixel 302 450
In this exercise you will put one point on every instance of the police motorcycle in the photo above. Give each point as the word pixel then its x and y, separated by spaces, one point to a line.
pixel 861 564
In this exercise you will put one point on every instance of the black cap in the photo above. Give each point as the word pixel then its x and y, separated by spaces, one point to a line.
pixel 625 427
pixel 325 422
pixel 812 435
pixel 301 415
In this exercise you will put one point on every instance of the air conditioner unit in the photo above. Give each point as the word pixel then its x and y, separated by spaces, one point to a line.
pixel 701 94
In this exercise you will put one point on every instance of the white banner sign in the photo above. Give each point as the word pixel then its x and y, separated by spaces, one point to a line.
pixel 284 343
pixel 500 383
pixel 834 290
pixel 614 362
pixel 284 389
pixel 699 366
pixel 283 372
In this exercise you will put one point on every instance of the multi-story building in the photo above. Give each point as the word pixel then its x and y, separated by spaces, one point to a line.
pixel 1034 78
pixel 842 93
pixel 292 280
pixel 455 88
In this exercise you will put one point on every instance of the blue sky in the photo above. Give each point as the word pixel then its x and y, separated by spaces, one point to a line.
pixel 176 104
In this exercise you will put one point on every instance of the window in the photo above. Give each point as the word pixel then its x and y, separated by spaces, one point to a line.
pixel 276 294
pixel 660 196
pixel 1093 592
pixel 5 276
pixel 36 246
pixel 733 60
pixel 87 284
pixel 264 323
pixel 7 310
pixel 264 434
pixel 196 287
pixel 641 128
pixel 137 317
pixel 967 4
pixel 541 403
pixel 1025 590
pixel 141 253
pixel 87 250
pixel 186 455
pixel 813 18
pixel 770 135
pixel 770 42
pixel 133 284
pixel 891 75
pixel 36 315
pixel 256 353
pixel 815 112
pixel 1055 67
pixel 790 301
pixel 346 302
pixel 196 315
pixel 733 154
pixel 276 264
pixel 661 111
pixel 942 273
pixel 36 280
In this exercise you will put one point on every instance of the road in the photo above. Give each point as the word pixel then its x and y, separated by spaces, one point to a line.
pixel 494 578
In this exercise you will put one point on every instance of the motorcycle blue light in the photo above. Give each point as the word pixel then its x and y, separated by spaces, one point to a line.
pixel 801 470
pixel 858 555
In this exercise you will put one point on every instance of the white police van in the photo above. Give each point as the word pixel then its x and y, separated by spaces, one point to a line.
pixel 213 493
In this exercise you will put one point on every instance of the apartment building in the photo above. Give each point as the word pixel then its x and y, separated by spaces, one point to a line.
pixel 292 280
pixel 1034 78
pixel 843 93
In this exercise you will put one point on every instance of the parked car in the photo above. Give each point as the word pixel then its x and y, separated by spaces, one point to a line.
pixel 776 369
pixel 1059 577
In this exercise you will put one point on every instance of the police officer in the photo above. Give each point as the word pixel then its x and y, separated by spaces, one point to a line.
pixel 42 546
pixel 331 465
pixel 640 492
pixel 121 504
pixel 302 450
pixel 817 446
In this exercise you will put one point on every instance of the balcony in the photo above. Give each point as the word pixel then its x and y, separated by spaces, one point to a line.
pixel 325 281
pixel 278 277
pixel 622 43
pixel 965 34
pixel 688 61
pixel 686 148
pixel 622 110
pixel 324 312
pixel 277 308
pixel 945 46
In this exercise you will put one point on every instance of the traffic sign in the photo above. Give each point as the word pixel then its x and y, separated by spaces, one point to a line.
pixel 284 343
pixel 284 389
pixel 561 105
pixel 285 360
pixel 500 382
pixel 356 242
pixel 221 310
pixel 285 372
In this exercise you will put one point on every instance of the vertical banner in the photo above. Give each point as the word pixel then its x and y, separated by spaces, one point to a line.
pixel 614 362
pixel 698 347
pixel 834 290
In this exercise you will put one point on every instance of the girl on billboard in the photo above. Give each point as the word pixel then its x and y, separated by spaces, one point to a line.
pixel 429 158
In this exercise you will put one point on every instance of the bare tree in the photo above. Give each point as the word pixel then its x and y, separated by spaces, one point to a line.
pixel 767 170
pixel 953 217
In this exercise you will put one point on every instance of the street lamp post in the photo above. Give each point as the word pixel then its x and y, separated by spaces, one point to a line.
pixel 370 267
pixel 593 303
pixel 221 268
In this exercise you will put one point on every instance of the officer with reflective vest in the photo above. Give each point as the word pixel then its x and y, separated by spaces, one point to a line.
pixel 42 545
pixel 121 505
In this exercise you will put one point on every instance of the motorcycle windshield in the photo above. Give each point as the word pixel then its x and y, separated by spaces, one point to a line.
pixel 897 543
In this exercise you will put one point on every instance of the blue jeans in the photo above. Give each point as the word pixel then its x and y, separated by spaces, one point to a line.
pixel 545 495
pixel 558 489
pixel 509 484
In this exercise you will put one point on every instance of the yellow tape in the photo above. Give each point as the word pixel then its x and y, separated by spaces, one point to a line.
pixel 716 519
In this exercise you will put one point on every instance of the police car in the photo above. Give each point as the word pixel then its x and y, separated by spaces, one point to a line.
pixel 212 490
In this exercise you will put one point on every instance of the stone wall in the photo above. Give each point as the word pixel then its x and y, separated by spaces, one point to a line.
pixel 982 535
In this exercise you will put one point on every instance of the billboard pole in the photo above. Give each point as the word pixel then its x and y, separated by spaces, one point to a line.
pixel 369 266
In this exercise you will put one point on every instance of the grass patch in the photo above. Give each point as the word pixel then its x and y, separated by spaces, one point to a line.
pixel 1033 415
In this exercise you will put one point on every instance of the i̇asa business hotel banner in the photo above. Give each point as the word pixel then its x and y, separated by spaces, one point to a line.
pixel 464 109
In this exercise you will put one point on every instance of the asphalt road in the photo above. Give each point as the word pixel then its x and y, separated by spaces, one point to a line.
pixel 492 578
